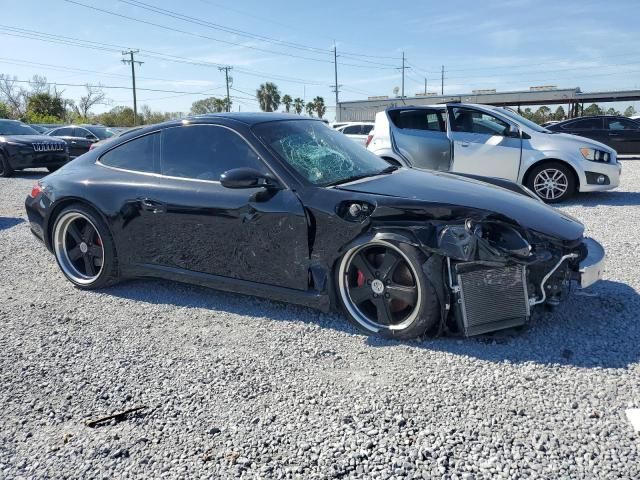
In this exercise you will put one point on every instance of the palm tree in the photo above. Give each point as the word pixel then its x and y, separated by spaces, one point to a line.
pixel 268 96
pixel 287 100
pixel 318 104
pixel 310 108
pixel 298 105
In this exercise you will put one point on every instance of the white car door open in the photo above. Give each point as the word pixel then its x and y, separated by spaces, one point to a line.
pixel 483 144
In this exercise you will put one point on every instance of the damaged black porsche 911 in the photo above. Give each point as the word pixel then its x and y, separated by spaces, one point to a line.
pixel 288 209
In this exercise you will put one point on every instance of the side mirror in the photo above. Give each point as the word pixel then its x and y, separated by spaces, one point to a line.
pixel 512 132
pixel 245 177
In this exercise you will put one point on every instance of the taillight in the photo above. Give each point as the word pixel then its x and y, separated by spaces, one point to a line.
pixel 369 138
pixel 36 190
pixel 92 146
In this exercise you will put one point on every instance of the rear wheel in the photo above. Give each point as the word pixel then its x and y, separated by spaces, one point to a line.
pixel 553 182
pixel 5 168
pixel 383 290
pixel 84 248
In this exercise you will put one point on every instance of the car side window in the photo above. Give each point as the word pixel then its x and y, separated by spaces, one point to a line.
pixel 63 132
pixel 622 124
pixel 140 154
pixel 205 152
pixel 352 130
pixel 475 121
pixel 419 120
pixel 82 133
pixel 585 124
pixel 366 129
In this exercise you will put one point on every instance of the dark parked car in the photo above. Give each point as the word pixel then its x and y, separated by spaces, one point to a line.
pixel 23 147
pixel 286 208
pixel 80 137
pixel 620 133
pixel 118 133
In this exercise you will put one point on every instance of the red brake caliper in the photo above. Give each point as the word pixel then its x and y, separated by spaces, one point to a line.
pixel 361 278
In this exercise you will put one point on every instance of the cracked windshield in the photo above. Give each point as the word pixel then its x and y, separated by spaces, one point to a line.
pixel 320 154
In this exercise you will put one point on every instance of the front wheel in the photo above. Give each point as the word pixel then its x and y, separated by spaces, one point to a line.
pixel 383 290
pixel 84 248
pixel 553 182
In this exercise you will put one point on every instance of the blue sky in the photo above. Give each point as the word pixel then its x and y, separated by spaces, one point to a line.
pixel 507 45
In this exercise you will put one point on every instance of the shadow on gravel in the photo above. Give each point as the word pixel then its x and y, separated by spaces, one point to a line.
pixel 596 199
pixel 30 174
pixel 595 328
pixel 9 222
pixel 165 292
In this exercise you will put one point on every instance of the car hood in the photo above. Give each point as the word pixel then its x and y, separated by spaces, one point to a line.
pixel 447 189
pixel 29 139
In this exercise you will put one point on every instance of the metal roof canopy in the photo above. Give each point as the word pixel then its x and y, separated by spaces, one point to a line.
pixel 365 109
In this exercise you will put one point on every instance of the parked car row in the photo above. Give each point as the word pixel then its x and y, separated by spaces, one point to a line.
pixel 22 147
pixel 619 133
pixel 482 140
pixel 81 137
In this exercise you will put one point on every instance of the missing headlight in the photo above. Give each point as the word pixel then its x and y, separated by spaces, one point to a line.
pixel 500 236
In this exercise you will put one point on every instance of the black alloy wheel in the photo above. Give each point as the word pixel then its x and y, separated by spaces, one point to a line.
pixel 83 248
pixel 383 289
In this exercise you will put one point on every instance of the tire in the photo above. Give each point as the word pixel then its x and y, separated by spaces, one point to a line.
pixel 383 290
pixel 552 182
pixel 84 248
pixel 5 168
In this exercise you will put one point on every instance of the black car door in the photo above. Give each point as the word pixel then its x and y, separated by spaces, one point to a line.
pixel 623 134
pixel 68 135
pixel 200 226
pixel 82 140
pixel 587 127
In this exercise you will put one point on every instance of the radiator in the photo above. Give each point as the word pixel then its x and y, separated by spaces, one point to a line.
pixel 493 299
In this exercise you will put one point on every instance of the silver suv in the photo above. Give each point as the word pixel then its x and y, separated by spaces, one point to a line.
pixel 494 142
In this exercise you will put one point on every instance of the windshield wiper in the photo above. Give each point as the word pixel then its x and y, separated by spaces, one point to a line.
pixel 389 169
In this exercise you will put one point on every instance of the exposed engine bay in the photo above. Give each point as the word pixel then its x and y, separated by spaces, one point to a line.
pixel 491 275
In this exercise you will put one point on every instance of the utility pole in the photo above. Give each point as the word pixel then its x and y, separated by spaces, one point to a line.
pixel 425 86
pixel 442 82
pixel 133 78
pixel 336 86
pixel 403 68
pixel 226 76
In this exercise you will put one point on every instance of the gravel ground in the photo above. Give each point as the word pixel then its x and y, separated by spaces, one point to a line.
pixel 241 387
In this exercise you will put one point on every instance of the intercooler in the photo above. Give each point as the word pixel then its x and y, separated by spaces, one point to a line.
pixel 492 299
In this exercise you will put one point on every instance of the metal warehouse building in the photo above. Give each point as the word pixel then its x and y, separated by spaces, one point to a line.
pixel 573 98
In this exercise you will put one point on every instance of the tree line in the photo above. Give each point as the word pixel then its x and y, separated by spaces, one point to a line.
pixel 269 99
pixel 545 114
pixel 39 102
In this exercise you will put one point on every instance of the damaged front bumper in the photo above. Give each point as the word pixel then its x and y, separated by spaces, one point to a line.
pixel 592 266
pixel 488 297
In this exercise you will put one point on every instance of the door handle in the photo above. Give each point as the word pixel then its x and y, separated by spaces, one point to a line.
pixel 152 206
pixel 74 142
pixel 463 144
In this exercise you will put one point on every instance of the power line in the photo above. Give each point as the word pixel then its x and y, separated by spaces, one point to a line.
pixel 114 87
pixel 60 39
pixel 199 35
pixel 19 62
